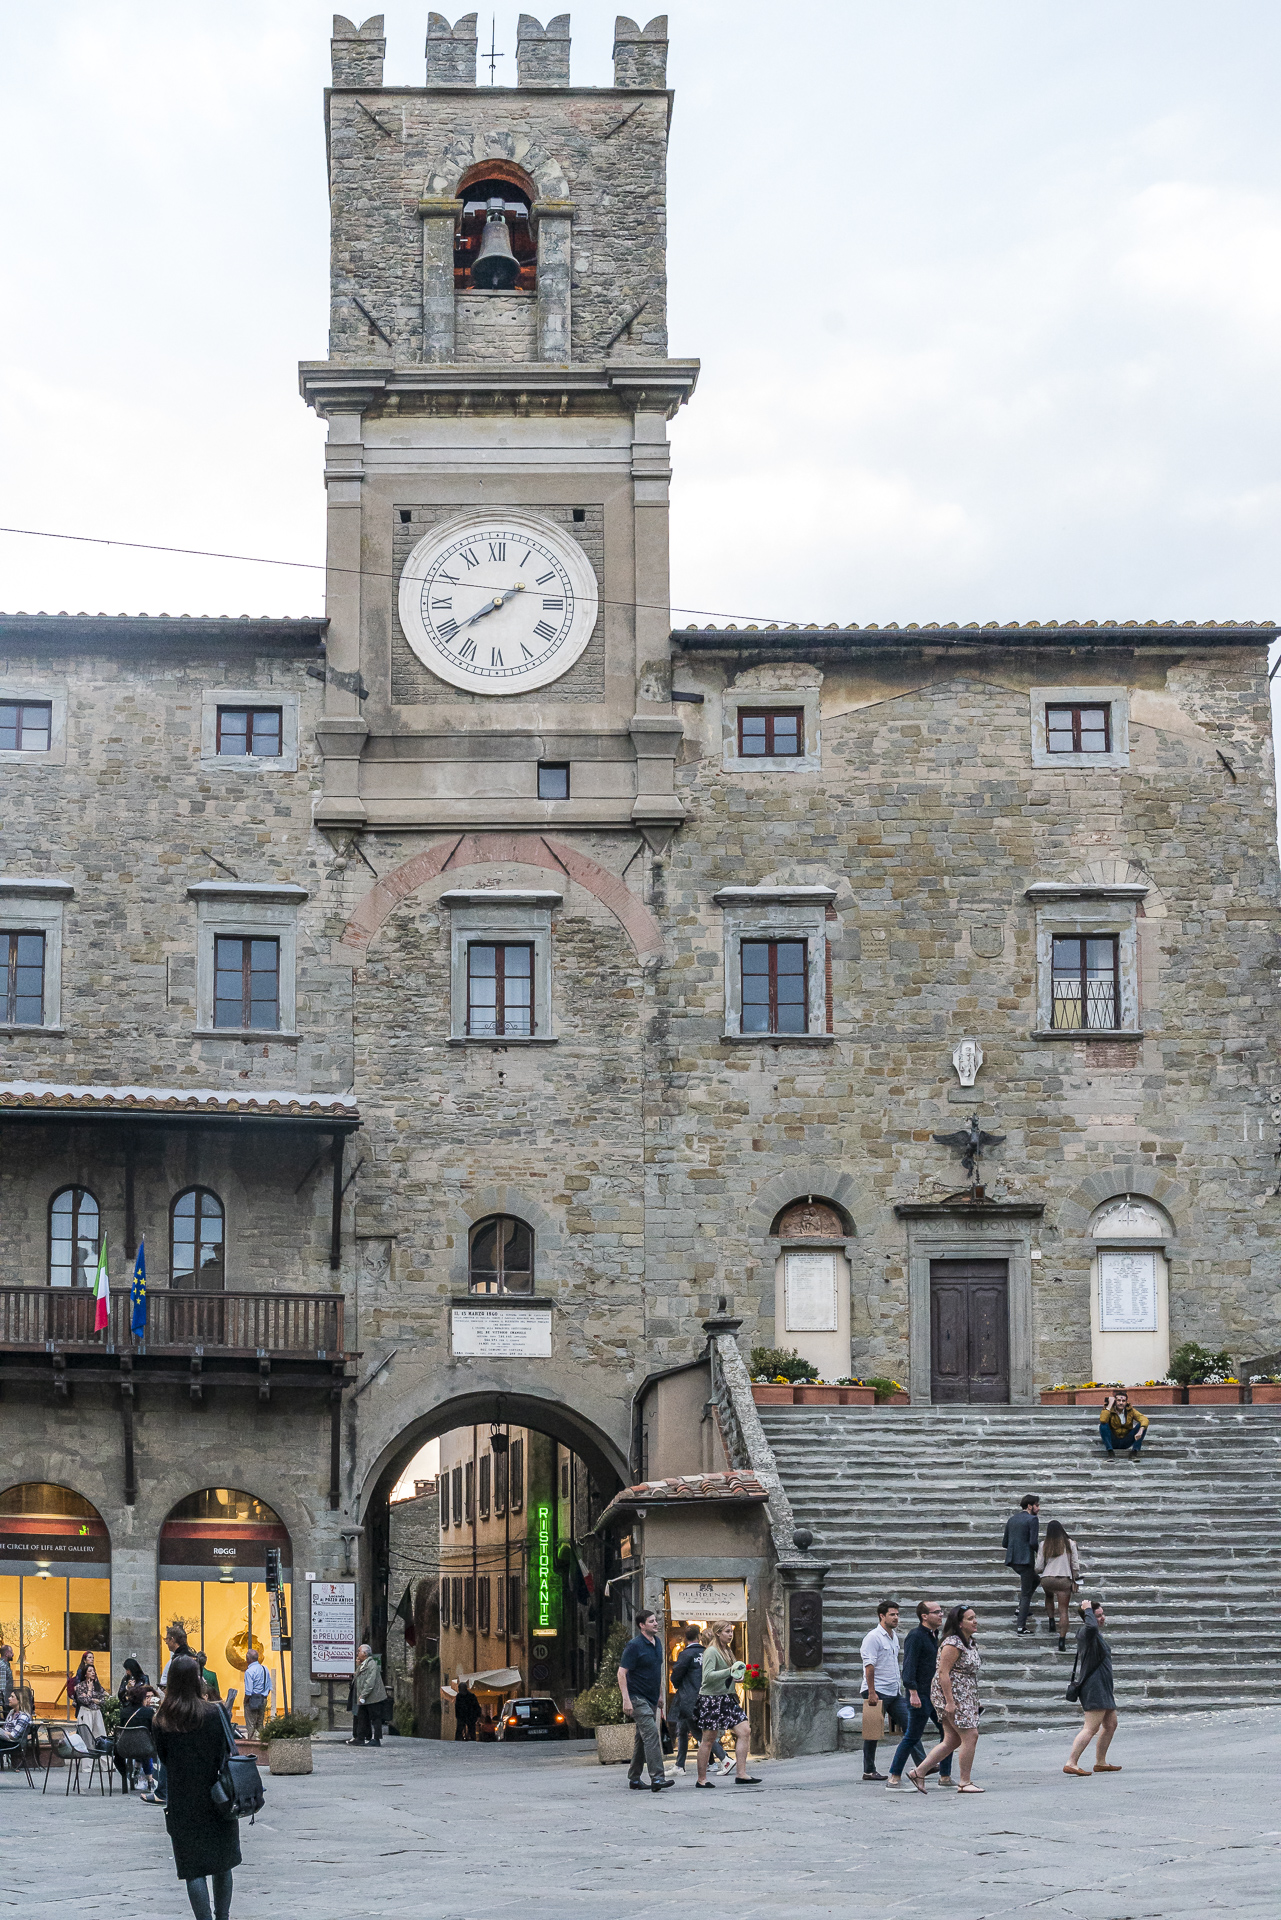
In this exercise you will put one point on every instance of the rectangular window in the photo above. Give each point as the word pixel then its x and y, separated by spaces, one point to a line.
pixel 457 1586
pixel 1086 982
pixel 515 1611
pixel 246 983
pixel 444 1503
pixel 516 1480
pixel 469 1602
pixel 564 1479
pixel 500 1625
pixel 1078 729
pixel 26 726
pixel 484 1487
pixel 500 1483
pixel 553 781
pixel 500 990
pixel 771 732
pixel 249 730
pixel 775 997
pixel 456 1485
pixel 469 1492
pixel 23 957
pixel 482 1603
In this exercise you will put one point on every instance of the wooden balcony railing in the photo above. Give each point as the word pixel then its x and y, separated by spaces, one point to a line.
pixel 284 1325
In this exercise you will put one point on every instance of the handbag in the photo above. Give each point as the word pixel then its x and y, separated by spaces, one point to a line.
pixel 238 1789
pixel 873 1721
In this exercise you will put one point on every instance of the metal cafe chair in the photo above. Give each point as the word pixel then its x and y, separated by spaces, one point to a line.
pixel 19 1752
pixel 68 1747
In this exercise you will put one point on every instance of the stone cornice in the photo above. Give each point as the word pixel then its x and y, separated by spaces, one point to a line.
pixel 636 386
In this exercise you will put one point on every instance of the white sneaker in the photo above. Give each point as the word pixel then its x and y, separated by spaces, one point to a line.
pixel 727 1765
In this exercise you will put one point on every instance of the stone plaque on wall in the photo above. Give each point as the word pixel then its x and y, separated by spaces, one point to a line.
pixel 1127 1292
pixel 805 1627
pixel 809 1285
pixel 498 1333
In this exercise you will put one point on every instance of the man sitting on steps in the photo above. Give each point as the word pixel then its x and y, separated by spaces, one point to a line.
pixel 1122 1427
pixel 1022 1532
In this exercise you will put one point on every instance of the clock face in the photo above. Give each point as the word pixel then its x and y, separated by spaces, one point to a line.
pixel 498 605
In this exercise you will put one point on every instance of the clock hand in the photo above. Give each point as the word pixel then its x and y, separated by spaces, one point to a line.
pixel 499 600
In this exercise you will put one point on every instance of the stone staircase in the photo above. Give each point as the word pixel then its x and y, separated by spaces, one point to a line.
pixel 1183 1546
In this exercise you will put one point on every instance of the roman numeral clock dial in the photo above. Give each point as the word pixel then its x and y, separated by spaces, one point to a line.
pixel 501 605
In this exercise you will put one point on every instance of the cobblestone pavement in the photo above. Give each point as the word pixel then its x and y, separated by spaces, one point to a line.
pixel 1191 1826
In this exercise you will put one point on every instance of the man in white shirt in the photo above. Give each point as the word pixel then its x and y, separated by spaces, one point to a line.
pixel 882 1685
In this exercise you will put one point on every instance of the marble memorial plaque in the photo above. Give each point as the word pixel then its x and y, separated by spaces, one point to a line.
pixel 1127 1292
pixel 502 1333
pixel 810 1290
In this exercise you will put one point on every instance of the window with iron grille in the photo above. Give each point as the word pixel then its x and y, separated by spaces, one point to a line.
pixel 1086 984
pixel 515 1609
pixel 502 1256
pixel 774 733
pixel 73 1238
pixel 197 1245
pixel 246 983
pixel 249 730
pixel 516 1481
pixel 23 956
pixel 482 1602
pixel 484 1486
pixel 1078 729
pixel 500 990
pixel 775 995
pixel 456 1484
pixel 444 1503
pixel 26 726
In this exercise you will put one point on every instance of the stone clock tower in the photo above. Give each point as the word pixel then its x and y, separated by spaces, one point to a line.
pixel 497 394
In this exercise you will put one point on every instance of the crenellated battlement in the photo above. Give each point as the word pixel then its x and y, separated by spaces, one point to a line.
pixel 542 53
pixel 357 53
pixel 640 53
pixel 451 51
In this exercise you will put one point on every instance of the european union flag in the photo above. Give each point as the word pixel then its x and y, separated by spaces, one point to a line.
pixel 138 1292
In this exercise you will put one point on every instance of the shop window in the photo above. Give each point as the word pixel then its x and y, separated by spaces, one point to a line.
pixel 502 1256
pixel 22 970
pixel 56 1606
pixel 484 1486
pixel 774 996
pixel 197 1257
pixel 222 1551
pixel 73 1238
pixel 495 248
pixel 1086 982
pixel 456 1485
pixel 516 1484
pixel 444 1502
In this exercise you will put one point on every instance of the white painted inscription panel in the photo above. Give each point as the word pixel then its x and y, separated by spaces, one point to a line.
pixel 498 1333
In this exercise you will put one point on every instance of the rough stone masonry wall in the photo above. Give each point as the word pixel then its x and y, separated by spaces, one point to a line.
pixel 930 822
pixel 572 144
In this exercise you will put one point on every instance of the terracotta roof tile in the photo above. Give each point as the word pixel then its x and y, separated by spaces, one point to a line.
pixel 689 1488
pixel 39 1094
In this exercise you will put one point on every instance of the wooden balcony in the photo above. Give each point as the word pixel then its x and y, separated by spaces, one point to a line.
pixel 241 1326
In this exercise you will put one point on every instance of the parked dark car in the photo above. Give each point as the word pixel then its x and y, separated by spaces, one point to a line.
pixel 537 1718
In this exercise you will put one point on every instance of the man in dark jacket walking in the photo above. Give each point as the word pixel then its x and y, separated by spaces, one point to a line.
pixel 687 1675
pixel 1022 1532
pixel 920 1657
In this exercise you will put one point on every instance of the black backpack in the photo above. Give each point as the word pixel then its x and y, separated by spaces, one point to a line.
pixel 237 1793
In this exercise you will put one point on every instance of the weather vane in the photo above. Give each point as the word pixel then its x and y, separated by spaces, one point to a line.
pixel 971 1142
pixel 493 56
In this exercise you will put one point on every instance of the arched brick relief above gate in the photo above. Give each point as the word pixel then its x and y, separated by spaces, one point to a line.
pixel 517 149
pixel 521 849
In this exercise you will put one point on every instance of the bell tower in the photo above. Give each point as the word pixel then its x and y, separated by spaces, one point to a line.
pixel 497 395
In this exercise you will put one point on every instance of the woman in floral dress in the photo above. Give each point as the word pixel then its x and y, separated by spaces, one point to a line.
pixel 954 1695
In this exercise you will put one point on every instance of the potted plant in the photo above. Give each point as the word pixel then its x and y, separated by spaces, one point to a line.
pixel 287 1738
pixel 889 1393
pixel 1210 1378
pixel 1061 1396
pixel 817 1393
pixel 856 1393
pixel 600 1706
pixel 776 1373
pixel 1157 1393
pixel 1265 1389
pixel 1094 1392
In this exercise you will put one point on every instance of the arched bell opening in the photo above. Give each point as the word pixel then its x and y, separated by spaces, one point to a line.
pixel 495 246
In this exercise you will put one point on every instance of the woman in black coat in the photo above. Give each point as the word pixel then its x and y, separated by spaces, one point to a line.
pixel 133 1676
pixel 190 1737
pixel 1092 1679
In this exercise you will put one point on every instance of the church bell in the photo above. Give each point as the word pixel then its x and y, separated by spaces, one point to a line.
pixel 496 264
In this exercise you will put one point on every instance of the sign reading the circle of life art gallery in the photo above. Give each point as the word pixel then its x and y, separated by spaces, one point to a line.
pixel 707 1599
pixel 333 1629
pixel 503 1333
pixel 1127 1292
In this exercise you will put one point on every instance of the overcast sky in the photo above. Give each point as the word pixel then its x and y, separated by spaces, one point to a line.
pixel 986 294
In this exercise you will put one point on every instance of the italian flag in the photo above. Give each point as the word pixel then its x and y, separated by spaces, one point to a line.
pixel 102 1291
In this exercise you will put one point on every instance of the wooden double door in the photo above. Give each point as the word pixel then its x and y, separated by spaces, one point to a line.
pixel 969 1330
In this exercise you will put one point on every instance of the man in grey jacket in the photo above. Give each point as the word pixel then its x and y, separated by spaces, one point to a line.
pixel 1022 1533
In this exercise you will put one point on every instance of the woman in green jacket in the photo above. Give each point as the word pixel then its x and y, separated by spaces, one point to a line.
pixel 718 1707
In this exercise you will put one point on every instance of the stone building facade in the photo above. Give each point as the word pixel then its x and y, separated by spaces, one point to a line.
pixel 775 909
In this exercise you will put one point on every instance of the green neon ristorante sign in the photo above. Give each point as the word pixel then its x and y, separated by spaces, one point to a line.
pixel 544 1620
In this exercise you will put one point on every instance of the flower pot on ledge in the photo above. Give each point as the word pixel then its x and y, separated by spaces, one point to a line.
pixel 1267 1393
pixel 768 1396
pixel 894 1400
pixel 1156 1396
pixel 1091 1396
pixel 857 1396
pixel 814 1395
pixel 1058 1397
pixel 1214 1396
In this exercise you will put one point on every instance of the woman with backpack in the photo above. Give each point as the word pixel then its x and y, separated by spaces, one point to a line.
pixel 1060 1571
pixel 190 1736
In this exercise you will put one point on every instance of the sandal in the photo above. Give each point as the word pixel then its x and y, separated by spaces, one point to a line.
pixel 916 1780
pixel 969 1788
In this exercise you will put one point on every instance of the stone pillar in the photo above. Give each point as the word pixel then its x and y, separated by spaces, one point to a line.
pixel 542 53
pixel 656 739
pixel 640 54
pixel 439 217
pixel 554 220
pixel 803 1693
pixel 451 51
pixel 357 53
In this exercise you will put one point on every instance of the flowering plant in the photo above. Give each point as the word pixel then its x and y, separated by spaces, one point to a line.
pixel 753 1680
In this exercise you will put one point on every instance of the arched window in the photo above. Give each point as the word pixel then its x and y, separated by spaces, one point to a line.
pixel 73 1238
pixel 196 1242
pixel 502 1256
pixel 496 191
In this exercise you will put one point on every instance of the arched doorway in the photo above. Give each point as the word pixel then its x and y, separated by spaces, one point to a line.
pixel 55 1590
pixel 226 1562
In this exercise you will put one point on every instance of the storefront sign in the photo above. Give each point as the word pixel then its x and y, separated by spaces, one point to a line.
pixel 498 1333
pixel 65 1545
pixel 707 1599
pixel 333 1629
pixel 543 1609
pixel 1127 1292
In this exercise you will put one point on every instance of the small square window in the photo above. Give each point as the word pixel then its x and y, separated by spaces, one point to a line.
pixel 1078 729
pixel 245 731
pixel 775 999
pixel 22 959
pixel 246 983
pixel 553 781
pixel 26 726
pixel 771 732
pixel 1086 982
pixel 500 991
